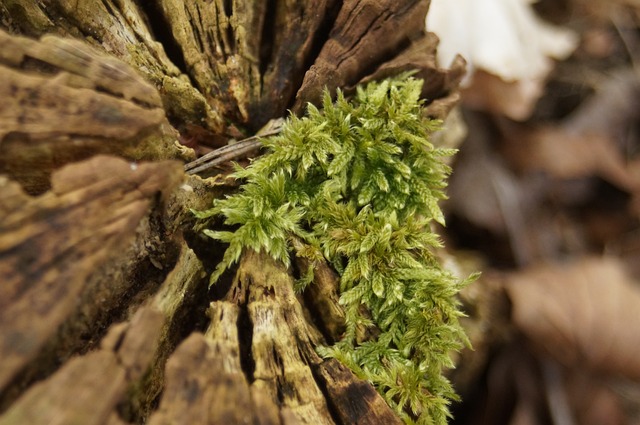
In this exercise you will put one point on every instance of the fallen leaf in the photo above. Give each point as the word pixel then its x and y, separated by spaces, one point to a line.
pixel 592 141
pixel 594 400
pixel 513 99
pixel 566 155
pixel 583 313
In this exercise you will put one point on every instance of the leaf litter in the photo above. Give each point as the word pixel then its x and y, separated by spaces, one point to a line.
pixel 545 195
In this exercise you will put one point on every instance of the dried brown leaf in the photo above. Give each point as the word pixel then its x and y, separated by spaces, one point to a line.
pixel 513 99
pixel 567 155
pixel 589 142
pixel 583 313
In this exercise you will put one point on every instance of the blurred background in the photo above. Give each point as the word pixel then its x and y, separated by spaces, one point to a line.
pixel 545 201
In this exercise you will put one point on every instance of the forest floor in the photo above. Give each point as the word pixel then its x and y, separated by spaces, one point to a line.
pixel 548 208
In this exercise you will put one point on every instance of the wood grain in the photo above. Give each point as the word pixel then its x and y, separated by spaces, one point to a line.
pixel 51 245
pixel 105 312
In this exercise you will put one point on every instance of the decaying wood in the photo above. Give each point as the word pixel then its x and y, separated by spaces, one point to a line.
pixel 121 28
pixel 440 85
pixel 283 359
pixel 246 56
pixel 342 389
pixel 241 62
pixel 362 27
pixel 201 388
pixel 105 312
pixel 52 246
pixel 88 389
pixel 323 299
pixel 126 374
pixel 285 381
pixel 83 103
pixel 67 397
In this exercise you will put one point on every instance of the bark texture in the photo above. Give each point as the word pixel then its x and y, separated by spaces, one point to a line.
pixel 105 312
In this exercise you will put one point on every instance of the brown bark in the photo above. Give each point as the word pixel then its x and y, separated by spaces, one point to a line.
pixel 105 313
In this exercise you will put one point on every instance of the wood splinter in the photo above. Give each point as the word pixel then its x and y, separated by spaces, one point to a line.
pixel 234 149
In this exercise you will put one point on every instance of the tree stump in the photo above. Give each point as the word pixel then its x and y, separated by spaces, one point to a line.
pixel 105 315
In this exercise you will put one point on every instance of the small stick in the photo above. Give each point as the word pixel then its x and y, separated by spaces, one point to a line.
pixel 233 150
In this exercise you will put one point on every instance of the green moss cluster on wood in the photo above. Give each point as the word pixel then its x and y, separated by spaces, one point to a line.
pixel 359 183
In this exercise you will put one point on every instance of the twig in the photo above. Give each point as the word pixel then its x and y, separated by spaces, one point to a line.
pixel 234 150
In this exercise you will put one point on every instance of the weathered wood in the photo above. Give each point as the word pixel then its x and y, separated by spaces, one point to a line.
pixel 177 300
pixel 322 298
pixel 205 383
pixel 122 28
pixel 88 388
pixel 284 382
pixel 50 247
pixel 103 300
pixel 71 397
pixel 246 57
pixel 440 88
pixel 84 103
pixel 282 343
pixel 136 347
pixel 366 34
pixel 354 400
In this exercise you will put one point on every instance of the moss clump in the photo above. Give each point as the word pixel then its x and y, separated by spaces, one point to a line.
pixel 359 182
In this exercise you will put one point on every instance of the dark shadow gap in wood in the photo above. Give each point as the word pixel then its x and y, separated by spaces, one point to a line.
pixel 245 334
pixel 161 32
pixel 267 38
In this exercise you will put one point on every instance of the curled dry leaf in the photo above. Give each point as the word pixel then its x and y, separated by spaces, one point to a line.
pixel 583 313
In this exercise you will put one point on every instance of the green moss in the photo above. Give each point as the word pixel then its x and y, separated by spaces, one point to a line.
pixel 359 182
